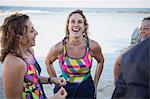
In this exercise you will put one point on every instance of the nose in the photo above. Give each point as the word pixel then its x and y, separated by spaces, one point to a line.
pixel 36 33
pixel 75 24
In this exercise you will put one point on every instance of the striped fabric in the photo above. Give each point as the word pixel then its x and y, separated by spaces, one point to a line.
pixel 76 70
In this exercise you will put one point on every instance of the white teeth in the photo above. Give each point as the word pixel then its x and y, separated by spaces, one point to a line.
pixel 76 29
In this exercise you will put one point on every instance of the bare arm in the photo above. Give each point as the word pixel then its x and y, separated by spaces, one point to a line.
pixel 116 67
pixel 13 77
pixel 60 81
pixel 118 61
pixel 96 50
pixel 51 57
pixel 44 80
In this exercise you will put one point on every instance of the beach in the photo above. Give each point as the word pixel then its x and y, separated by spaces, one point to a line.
pixel 111 28
pixel 104 91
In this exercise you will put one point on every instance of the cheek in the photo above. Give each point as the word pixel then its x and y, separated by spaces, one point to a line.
pixel 146 32
pixel 69 28
pixel 83 28
pixel 24 41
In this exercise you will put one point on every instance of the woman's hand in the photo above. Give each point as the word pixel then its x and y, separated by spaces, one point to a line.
pixel 60 81
pixel 61 94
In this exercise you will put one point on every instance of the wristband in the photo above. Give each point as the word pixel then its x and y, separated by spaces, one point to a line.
pixel 49 80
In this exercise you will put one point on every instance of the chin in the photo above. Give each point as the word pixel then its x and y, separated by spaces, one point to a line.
pixel 33 45
pixel 76 35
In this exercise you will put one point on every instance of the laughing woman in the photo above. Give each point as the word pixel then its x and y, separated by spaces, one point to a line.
pixel 75 53
pixel 21 72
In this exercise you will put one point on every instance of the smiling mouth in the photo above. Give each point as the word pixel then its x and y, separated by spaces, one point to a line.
pixel 75 29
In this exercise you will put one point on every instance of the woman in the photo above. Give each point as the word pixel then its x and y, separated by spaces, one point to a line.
pixel 21 72
pixel 144 33
pixel 75 53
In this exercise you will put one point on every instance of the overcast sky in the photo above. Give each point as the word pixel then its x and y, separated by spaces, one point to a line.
pixel 79 3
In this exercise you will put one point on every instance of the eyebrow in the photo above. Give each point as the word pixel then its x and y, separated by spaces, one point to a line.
pixel 145 27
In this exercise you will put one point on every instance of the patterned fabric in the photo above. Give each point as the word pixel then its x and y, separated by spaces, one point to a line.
pixel 84 90
pixel 76 70
pixel 31 86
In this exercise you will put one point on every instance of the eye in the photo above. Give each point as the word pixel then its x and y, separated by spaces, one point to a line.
pixel 72 21
pixel 32 30
pixel 146 28
pixel 79 21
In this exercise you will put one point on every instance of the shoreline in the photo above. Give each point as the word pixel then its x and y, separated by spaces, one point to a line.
pixel 105 89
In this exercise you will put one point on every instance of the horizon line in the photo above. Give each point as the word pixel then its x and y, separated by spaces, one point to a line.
pixel 70 7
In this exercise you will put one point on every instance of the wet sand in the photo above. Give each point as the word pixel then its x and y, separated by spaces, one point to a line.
pixel 105 89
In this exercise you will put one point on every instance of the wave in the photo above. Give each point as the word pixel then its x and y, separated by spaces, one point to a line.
pixel 23 12
pixel 39 10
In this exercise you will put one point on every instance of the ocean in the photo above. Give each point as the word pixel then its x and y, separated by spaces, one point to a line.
pixel 110 27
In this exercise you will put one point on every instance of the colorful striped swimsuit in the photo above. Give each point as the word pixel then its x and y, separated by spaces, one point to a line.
pixel 32 88
pixel 76 70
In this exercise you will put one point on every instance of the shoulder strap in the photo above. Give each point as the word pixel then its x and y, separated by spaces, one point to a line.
pixel 87 44
pixel 64 49
pixel 36 64
pixel 25 61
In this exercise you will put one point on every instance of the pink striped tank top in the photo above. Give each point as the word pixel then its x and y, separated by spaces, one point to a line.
pixel 76 70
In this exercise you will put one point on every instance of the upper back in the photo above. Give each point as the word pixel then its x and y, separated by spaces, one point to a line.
pixel 12 62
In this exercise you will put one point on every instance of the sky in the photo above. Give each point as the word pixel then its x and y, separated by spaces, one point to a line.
pixel 79 3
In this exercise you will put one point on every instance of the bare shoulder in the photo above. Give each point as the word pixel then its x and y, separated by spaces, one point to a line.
pixel 94 45
pixel 57 48
pixel 13 63
pixel 54 53
pixel 96 51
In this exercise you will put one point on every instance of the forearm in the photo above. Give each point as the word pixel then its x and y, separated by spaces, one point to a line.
pixel 50 70
pixel 98 72
pixel 116 73
pixel 44 80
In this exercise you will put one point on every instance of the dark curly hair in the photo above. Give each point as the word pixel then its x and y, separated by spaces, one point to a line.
pixel 85 24
pixel 13 27
pixel 146 18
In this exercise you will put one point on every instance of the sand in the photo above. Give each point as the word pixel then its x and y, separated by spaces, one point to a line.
pixel 105 89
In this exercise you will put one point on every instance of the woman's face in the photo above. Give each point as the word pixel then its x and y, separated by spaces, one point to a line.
pixel 145 28
pixel 76 25
pixel 31 34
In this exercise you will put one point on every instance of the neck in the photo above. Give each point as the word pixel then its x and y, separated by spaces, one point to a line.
pixel 23 50
pixel 76 41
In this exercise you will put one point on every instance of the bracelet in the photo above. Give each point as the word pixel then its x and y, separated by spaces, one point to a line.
pixel 49 80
